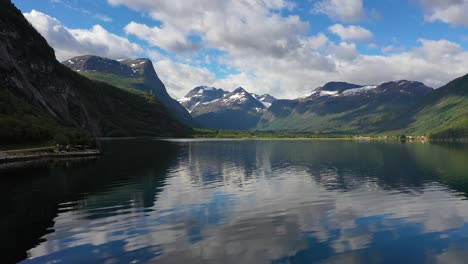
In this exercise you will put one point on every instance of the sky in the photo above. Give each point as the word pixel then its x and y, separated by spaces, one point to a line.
pixel 282 47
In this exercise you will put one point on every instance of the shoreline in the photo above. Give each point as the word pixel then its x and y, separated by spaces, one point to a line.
pixel 5 158
pixel 350 138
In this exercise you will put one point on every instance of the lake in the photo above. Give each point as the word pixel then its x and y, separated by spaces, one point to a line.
pixel 240 201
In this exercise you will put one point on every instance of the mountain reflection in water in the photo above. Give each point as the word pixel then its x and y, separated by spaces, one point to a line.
pixel 241 201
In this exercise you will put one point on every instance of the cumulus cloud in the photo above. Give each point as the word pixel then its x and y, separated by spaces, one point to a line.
pixel 342 10
pixel 166 37
pixel 351 32
pixel 448 11
pixel 72 42
pixel 268 51
pixel 344 51
pixel 240 27
pixel 181 77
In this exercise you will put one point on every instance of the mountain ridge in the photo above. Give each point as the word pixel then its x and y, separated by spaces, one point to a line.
pixel 136 74
pixel 339 107
pixel 218 109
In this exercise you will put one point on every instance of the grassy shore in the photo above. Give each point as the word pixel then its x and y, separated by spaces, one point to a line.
pixel 215 133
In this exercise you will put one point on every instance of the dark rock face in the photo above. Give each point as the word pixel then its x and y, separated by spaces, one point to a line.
pixel 30 72
pixel 141 69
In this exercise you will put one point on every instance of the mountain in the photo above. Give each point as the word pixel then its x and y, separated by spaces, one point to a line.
pixel 128 74
pixel 443 113
pixel 42 100
pixel 265 99
pixel 340 107
pixel 218 109
pixel 200 95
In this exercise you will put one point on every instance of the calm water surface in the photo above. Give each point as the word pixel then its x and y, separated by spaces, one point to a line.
pixel 240 202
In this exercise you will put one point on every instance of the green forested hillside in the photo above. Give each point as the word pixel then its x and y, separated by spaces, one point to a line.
pixel 131 74
pixel 442 113
pixel 127 112
pixel 345 110
pixel 41 100
pixel 23 123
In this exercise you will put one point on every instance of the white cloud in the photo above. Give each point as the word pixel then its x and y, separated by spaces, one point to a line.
pixel 392 48
pixel 269 53
pixel 344 51
pixel 166 37
pixel 351 32
pixel 433 62
pixel 179 77
pixel 448 11
pixel 72 42
pixel 442 50
pixel 342 10
pixel 239 27
pixel 103 17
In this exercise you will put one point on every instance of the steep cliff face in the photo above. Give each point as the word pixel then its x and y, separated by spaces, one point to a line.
pixel 30 75
pixel 128 74
pixel 28 69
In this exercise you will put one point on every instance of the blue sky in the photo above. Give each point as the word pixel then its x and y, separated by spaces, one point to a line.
pixel 282 47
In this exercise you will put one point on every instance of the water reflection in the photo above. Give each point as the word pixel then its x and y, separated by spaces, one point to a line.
pixel 243 202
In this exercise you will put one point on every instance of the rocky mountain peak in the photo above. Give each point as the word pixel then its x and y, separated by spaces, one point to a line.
pixel 140 72
pixel 91 63
pixel 339 89
pixel 216 108
pixel 239 90
pixel 265 99
pixel 241 96
pixel 126 68
pixel 201 95
pixel 141 66
pixel 406 87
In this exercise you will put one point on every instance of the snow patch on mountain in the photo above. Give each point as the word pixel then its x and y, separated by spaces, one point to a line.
pixel 236 97
pixel 265 99
pixel 210 102
pixel 355 91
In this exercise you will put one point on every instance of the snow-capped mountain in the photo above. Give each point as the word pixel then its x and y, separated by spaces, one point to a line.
pixel 216 108
pixel 339 89
pixel 240 97
pixel 205 95
pixel 339 107
pixel 265 99
pixel 201 95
